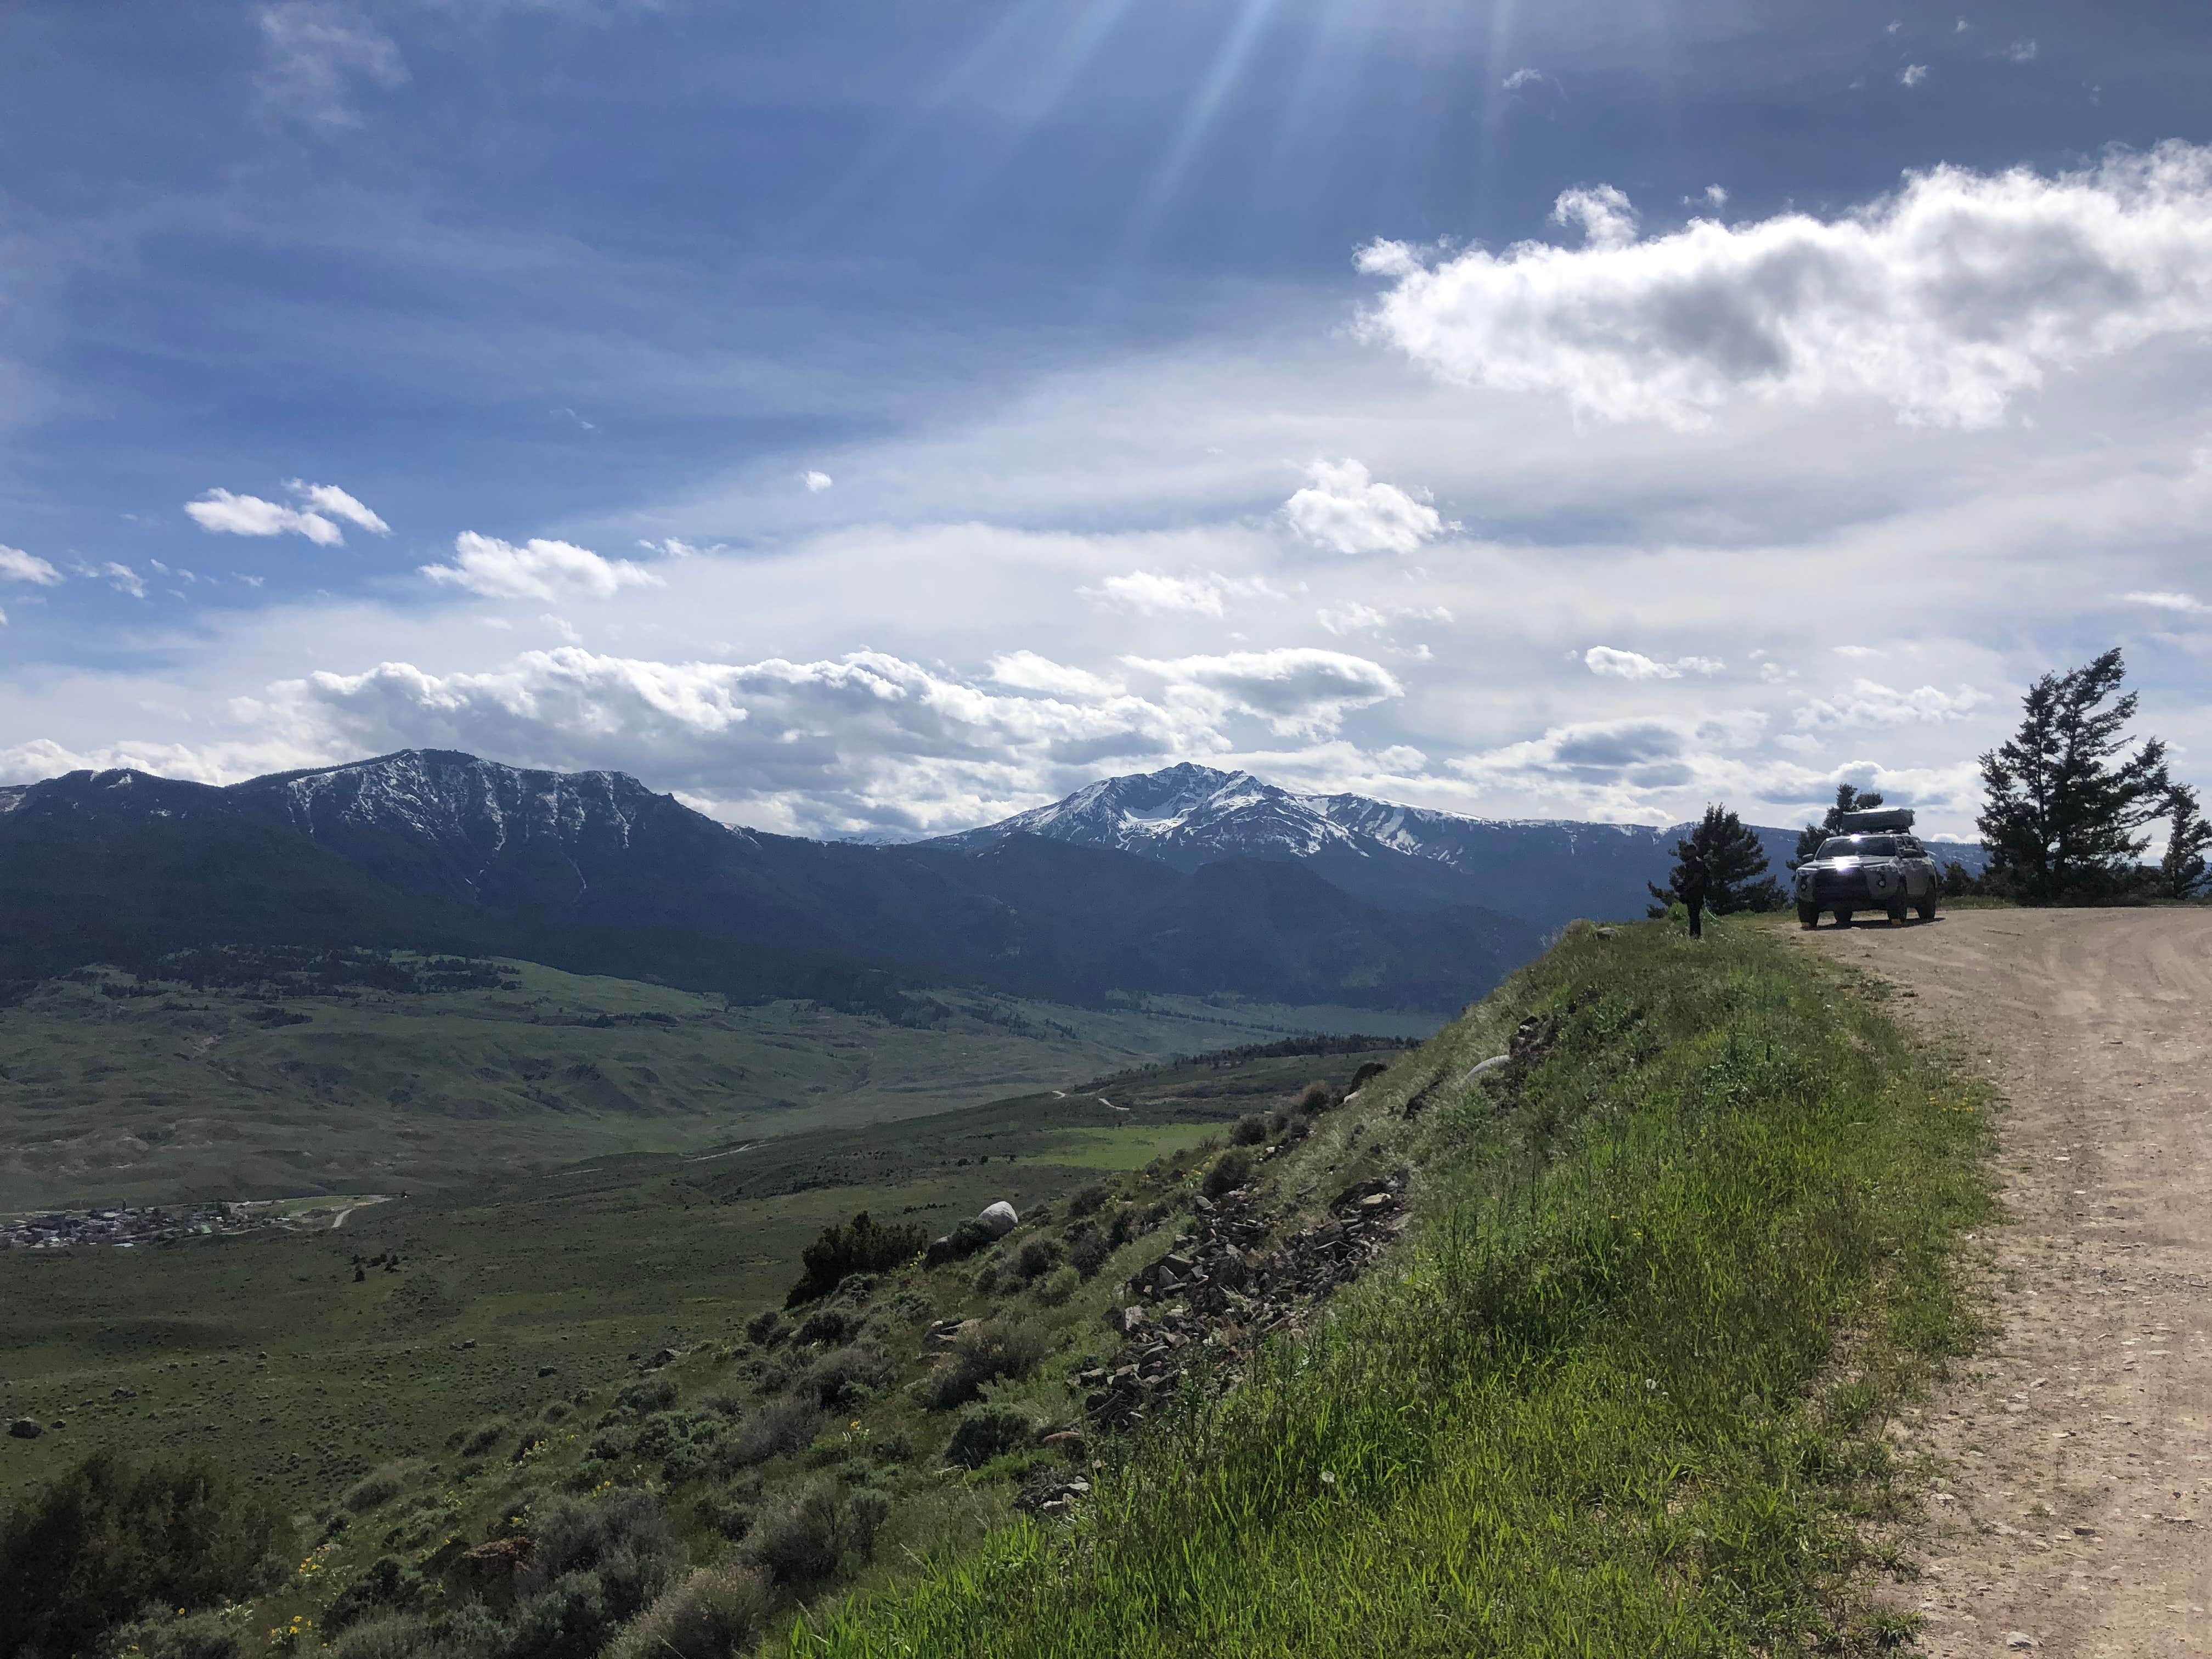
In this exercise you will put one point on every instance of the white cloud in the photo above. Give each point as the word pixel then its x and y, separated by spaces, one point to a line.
pixel 815 482
pixel 1912 74
pixel 537 569
pixel 1357 618
pixel 313 52
pixel 1604 214
pixel 1947 300
pixel 1603 659
pixel 2186 602
pixel 331 499
pixel 122 578
pixel 1521 77
pixel 1025 671
pixel 1855 650
pixel 4 618
pixel 18 566
pixel 1295 689
pixel 1345 509
pixel 865 740
pixel 1149 593
pixel 1870 704
pixel 2022 51
pixel 221 513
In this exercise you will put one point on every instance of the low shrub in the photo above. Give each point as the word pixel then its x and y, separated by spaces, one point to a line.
pixel 1229 1171
pixel 106 1538
pixel 483 1439
pixel 386 1585
pixel 1313 1099
pixel 195 1636
pixel 776 1430
pixel 1087 1250
pixel 1088 1200
pixel 858 1246
pixel 996 1348
pixel 766 1328
pixel 1035 1258
pixel 717 1613
pixel 963 1242
pixel 655 1394
pixel 818 1532
pixel 1058 1285
pixel 382 1484
pixel 849 1377
pixel 826 1324
pixel 988 1432
pixel 576 1536
pixel 1251 1130
pixel 389 1636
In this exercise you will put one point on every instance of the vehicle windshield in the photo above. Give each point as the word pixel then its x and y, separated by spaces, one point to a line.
pixel 1859 847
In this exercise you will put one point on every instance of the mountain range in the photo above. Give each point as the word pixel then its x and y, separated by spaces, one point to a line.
pixel 1188 880
pixel 596 874
pixel 1548 872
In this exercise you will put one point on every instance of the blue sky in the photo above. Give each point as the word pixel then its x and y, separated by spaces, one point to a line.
pixel 882 418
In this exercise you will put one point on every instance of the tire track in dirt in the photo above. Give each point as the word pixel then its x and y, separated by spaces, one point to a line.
pixel 2071 1513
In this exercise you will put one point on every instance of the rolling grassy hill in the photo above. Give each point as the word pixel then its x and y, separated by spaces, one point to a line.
pixel 116 1090
pixel 262 1351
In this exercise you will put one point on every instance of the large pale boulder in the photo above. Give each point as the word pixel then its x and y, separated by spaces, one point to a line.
pixel 999 1218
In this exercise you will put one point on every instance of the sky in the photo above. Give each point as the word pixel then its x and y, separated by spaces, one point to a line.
pixel 879 418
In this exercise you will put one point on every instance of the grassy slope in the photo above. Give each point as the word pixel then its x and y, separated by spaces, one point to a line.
pixel 576 1269
pixel 189 1095
pixel 1621 1394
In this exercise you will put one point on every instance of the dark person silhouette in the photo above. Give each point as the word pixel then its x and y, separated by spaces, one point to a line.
pixel 1692 886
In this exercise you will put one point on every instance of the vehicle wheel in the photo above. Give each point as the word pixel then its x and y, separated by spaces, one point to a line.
pixel 1809 915
pixel 1926 907
pixel 1843 918
pixel 1896 915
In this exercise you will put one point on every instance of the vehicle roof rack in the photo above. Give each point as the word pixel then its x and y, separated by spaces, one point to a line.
pixel 1887 818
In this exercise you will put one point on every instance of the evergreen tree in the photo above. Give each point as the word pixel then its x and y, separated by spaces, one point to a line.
pixel 2181 872
pixel 1847 799
pixel 1735 867
pixel 2065 801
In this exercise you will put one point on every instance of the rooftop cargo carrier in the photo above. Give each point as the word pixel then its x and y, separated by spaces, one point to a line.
pixel 1892 820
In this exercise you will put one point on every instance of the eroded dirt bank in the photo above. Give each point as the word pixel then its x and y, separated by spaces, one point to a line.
pixel 2073 1513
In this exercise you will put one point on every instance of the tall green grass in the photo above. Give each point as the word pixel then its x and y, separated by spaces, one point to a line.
pixel 1620 1396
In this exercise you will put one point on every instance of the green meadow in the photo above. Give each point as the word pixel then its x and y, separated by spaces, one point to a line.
pixel 113 1092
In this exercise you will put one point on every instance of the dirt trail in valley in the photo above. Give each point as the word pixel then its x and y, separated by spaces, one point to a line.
pixel 2072 1513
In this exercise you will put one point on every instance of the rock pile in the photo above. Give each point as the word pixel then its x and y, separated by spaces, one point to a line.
pixel 1197 1309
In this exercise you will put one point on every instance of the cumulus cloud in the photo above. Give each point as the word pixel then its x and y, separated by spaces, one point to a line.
pixel 17 565
pixel 815 482
pixel 1912 74
pixel 1025 671
pixel 221 513
pixel 1605 660
pixel 1150 593
pixel 2187 602
pixel 122 578
pixel 1870 704
pixel 331 499
pixel 315 53
pixel 1347 509
pixel 1947 300
pixel 1295 689
pixel 2022 51
pixel 868 739
pixel 537 569
pixel 1521 77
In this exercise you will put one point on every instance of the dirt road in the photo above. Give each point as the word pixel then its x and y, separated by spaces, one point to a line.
pixel 2072 1512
